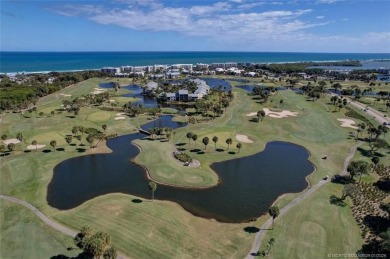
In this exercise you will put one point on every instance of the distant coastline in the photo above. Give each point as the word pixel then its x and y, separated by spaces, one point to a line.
pixel 44 62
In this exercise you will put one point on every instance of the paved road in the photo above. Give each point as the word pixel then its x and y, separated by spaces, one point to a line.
pixel 46 220
pixel 267 225
pixel 377 115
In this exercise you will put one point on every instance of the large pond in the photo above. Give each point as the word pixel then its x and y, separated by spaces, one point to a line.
pixel 248 185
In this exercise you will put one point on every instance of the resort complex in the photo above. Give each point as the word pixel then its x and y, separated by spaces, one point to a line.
pixel 249 167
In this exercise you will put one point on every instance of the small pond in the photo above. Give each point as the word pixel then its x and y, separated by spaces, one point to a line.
pixel 248 185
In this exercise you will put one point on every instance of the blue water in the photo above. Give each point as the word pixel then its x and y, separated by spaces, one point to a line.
pixel 66 61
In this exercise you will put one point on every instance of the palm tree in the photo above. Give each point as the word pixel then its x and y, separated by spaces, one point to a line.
pixel 215 140
pixel 361 127
pixel 229 141
pixel 194 138
pixel 189 136
pixel 75 130
pixel 82 130
pixel 53 143
pixel 19 137
pixel 104 127
pixel 260 114
pixel 273 212
pixel 4 137
pixel 68 139
pixel 35 143
pixel 90 140
pixel 375 160
pixel 205 141
pixel 239 146
pixel 152 187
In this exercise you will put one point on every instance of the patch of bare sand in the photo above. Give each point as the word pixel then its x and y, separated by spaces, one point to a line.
pixel 251 114
pixel 243 138
pixel 98 91
pixel 279 115
pixel 347 123
pixel 11 140
pixel 33 147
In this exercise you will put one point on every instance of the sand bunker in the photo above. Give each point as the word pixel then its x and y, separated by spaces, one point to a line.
pixel 347 123
pixel 120 114
pixel 243 138
pixel 11 140
pixel 66 95
pixel 273 114
pixel 112 101
pixel 251 114
pixel 33 147
pixel 98 91
pixel 120 118
pixel 279 115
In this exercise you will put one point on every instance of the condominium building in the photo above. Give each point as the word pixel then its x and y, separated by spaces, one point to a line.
pixel 110 70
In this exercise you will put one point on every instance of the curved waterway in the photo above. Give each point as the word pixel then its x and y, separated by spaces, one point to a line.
pixel 247 189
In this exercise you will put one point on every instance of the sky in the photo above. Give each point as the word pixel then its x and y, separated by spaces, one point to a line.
pixel 353 26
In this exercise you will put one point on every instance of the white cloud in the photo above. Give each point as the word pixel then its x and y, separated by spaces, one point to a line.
pixel 225 24
pixel 218 20
pixel 328 1
pixel 345 19
pixel 250 6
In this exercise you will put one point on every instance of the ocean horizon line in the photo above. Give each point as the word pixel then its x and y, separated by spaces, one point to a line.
pixel 96 69
pixel 28 62
pixel 183 51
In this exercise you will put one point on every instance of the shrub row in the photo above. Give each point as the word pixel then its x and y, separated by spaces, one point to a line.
pixel 183 157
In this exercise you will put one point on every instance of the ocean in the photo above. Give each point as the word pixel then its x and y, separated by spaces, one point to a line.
pixel 12 62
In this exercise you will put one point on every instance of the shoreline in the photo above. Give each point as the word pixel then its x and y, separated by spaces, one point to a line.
pixel 169 64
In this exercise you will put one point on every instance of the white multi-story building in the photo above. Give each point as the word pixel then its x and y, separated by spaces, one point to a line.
pixel 161 68
pixel 126 69
pixel 230 64
pixel 110 70
pixel 218 65
pixel 182 66
pixel 201 66
pixel 139 69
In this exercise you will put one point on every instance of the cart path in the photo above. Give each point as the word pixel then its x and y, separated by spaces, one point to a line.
pixel 267 225
pixel 46 220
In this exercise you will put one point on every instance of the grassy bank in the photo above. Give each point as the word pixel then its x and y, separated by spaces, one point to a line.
pixel 23 235
pixel 159 229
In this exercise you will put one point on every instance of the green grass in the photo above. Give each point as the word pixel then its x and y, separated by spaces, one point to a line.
pixel 24 235
pixel 159 229
pixel 315 228
pixel 316 128
pixel 164 229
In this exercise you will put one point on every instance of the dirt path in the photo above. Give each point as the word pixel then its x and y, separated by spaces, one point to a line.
pixel 267 225
pixel 46 220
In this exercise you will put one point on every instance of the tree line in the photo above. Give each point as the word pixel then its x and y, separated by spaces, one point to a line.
pixel 25 89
